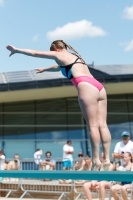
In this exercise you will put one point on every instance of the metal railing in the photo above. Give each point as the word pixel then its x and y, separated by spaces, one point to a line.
pixel 63 188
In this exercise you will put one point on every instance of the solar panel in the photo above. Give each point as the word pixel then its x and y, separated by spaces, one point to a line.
pixel 116 69
pixel 3 83
pixel 22 76
pixel 2 79
pixel 46 75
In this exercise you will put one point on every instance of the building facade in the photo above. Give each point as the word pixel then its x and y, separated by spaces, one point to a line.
pixel 43 112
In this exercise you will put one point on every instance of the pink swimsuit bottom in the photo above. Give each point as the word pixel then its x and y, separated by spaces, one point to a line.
pixel 87 79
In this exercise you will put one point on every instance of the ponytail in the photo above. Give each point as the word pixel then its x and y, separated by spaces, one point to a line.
pixel 63 45
pixel 72 49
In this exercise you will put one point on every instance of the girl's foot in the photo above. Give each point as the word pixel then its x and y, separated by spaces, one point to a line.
pixel 96 167
pixel 106 165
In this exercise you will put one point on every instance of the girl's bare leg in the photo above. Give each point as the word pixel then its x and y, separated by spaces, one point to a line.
pixel 87 188
pixel 103 128
pixel 114 190
pixel 88 97
pixel 124 191
pixel 103 185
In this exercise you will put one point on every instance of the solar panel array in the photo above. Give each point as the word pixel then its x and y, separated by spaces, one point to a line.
pixel 116 69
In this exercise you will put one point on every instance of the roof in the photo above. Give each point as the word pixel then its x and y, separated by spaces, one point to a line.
pixel 116 69
pixel 20 80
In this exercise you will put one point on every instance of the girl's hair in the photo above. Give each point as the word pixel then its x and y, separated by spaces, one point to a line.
pixel 60 44
pixel 130 155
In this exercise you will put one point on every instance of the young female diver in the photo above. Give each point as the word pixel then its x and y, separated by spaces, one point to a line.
pixel 91 93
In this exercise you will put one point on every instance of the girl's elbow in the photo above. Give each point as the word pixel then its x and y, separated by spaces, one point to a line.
pixel 35 53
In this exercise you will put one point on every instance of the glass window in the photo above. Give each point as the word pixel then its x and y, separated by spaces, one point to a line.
pixel 19 120
pixel 75 120
pixel 55 133
pixel 51 119
pixel 1 121
pixel 25 149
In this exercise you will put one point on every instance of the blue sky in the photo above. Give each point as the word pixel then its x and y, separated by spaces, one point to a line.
pixel 101 31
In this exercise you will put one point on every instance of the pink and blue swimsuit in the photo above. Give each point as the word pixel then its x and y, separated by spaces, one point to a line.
pixel 67 72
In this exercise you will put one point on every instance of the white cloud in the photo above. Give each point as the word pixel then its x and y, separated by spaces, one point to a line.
pixel 76 30
pixel 1 2
pixel 35 38
pixel 128 13
pixel 129 46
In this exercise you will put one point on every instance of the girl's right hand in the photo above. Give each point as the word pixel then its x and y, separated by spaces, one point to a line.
pixel 39 70
pixel 12 49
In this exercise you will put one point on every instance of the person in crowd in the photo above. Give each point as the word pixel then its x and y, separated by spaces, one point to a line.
pixel 2 159
pixel 14 164
pixel 68 151
pixel 5 165
pixel 90 186
pixel 88 163
pixel 37 156
pixel 94 106
pixel 128 166
pixel 48 163
pixel 2 166
pixel 95 184
pixel 83 163
pixel 103 185
pixel 126 145
pixel 79 165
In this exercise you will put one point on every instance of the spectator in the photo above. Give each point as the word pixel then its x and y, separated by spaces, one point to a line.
pixel 14 164
pixel 68 150
pixel 128 166
pixel 5 165
pixel 79 165
pixel 103 185
pixel 2 160
pixel 97 185
pixel 84 163
pixel 48 163
pixel 126 145
pixel 89 186
pixel 88 163
pixel 37 156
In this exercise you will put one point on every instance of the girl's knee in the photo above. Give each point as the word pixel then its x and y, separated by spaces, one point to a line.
pixel 101 185
pixel 123 189
pixel 86 185
pixel 112 189
pixel 102 125
pixel 93 127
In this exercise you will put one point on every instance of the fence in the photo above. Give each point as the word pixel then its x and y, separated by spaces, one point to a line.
pixel 30 180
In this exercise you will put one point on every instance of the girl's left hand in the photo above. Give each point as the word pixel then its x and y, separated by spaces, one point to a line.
pixel 12 49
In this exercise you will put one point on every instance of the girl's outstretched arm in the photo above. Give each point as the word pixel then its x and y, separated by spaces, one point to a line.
pixel 34 53
pixel 53 68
